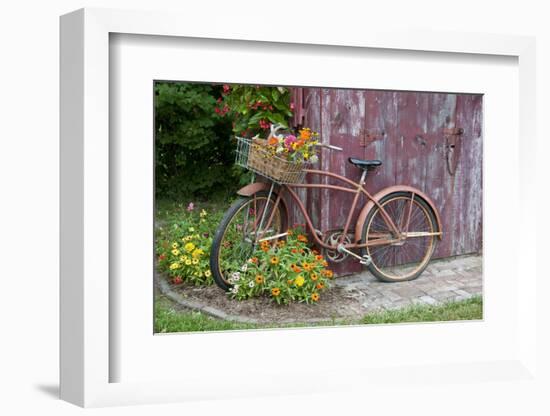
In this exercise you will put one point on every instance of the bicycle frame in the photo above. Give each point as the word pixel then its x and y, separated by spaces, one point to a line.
pixel 399 232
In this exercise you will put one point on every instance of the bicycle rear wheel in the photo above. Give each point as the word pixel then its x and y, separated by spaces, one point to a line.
pixel 236 236
pixel 408 258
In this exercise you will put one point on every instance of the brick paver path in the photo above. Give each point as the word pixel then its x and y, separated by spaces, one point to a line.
pixel 452 279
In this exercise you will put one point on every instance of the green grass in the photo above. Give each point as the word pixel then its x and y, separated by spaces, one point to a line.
pixel 168 319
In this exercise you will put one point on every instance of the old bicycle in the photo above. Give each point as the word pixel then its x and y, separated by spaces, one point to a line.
pixel 394 235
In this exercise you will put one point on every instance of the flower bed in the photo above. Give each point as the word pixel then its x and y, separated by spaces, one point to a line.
pixel 285 271
pixel 183 247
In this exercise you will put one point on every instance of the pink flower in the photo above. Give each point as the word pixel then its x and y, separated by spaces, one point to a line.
pixel 289 140
pixel 190 207
pixel 264 124
pixel 292 106
pixel 226 88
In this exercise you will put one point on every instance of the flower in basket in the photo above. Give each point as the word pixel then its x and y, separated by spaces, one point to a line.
pixel 295 148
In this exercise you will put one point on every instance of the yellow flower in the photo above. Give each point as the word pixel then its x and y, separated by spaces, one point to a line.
pixel 275 260
pixel 259 279
pixel 189 247
pixel 174 266
pixel 188 262
pixel 315 297
pixel 175 252
pixel 203 213
pixel 195 261
pixel 208 273
pixel 191 229
pixel 299 280
pixel 275 291
pixel 175 245
pixel 197 253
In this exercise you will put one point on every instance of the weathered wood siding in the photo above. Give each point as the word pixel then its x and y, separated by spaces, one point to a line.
pixel 407 131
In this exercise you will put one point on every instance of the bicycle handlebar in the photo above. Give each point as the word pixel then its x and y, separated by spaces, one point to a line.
pixel 330 146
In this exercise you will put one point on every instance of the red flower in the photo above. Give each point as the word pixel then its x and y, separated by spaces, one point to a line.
pixel 162 257
pixel 177 280
pixel 226 88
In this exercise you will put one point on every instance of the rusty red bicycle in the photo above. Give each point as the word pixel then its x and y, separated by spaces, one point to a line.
pixel 394 235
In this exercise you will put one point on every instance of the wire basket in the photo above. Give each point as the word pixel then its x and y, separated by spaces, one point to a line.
pixel 254 155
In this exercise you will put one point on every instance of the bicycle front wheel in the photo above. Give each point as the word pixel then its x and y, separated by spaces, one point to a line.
pixel 405 259
pixel 236 237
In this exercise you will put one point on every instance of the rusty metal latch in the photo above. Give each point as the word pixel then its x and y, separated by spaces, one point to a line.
pixel 453 143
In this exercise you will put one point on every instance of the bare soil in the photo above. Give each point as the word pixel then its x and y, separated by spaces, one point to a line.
pixel 335 304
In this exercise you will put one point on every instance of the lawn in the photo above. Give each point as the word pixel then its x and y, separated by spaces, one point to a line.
pixel 168 319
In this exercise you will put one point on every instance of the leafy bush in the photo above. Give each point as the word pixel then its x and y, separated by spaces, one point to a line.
pixel 184 248
pixel 253 108
pixel 194 153
pixel 286 271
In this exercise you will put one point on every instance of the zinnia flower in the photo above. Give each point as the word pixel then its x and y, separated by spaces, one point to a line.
pixel 315 297
pixel 208 273
pixel 189 247
pixel 175 252
pixel 259 279
pixel 314 276
pixel 174 266
pixel 175 245
pixel 302 238
pixel 299 281
pixel 305 134
pixel 275 291
pixel 275 260
pixel 319 285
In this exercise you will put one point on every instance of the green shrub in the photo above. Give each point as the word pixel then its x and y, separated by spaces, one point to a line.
pixel 194 152
pixel 253 108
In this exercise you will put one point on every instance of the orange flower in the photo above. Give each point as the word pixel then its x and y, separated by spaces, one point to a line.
pixel 254 260
pixel 290 232
pixel 319 258
pixel 272 141
pixel 306 266
pixel 315 297
pixel 319 285
pixel 305 134
pixel 289 281
pixel 315 252
pixel 274 260
pixel 275 291
pixel 328 273
pixel 280 243
pixel 295 268
pixel 294 251
pixel 265 249
pixel 324 263
pixel 314 276
pixel 259 279
pixel 302 238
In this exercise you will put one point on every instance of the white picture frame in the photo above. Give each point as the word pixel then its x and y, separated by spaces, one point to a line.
pixel 85 212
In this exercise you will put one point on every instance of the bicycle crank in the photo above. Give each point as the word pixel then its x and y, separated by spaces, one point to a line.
pixel 364 260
